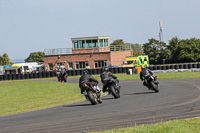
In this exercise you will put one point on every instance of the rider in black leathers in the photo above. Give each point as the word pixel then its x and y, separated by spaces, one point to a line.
pixel 144 74
pixel 105 77
pixel 87 78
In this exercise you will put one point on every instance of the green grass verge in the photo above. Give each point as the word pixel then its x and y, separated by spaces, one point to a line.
pixel 176 126
pixel 26 96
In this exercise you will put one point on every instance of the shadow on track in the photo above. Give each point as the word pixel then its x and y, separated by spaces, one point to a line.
pixel 107 98
pixel 76 105
pixel 140 93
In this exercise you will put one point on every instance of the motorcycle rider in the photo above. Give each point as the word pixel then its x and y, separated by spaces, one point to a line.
pixel 144 74
pixel 58 72
pixel 63 70
pixel 87 78
pixel 105 76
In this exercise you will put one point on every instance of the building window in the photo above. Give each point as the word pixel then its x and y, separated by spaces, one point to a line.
pixel 105 42
pixel 81 65
pixel 100 64
pixel 101 42
pixel 50 66
pixel 81 44
pixel 94 43
pixel 70 65
pixel 75 44
pixel 88 43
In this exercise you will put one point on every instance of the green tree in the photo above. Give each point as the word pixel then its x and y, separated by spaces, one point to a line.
pixel 137 49
pixel 118 42
pixel 5 60
pixel 156 50
pixel 35 57
pixel 189 50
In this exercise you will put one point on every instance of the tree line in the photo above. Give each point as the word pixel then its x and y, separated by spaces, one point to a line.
pixel 177 51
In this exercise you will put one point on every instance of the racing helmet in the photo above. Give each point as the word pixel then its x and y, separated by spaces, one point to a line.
pixel 106 69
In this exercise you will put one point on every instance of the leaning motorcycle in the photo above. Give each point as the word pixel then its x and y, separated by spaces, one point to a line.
pixel 152 82
pixel 113 87
pixel 92 93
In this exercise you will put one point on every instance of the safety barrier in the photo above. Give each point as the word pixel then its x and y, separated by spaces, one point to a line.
pixel 115 70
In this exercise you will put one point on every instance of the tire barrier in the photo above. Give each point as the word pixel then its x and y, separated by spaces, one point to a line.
pixel 155 68
pixel 31 76
pixel 168 67
pixel 48 74
pixel 185 66
pixel 115 70
pixel 10 77
pixel 172 67
pixel 111 70
pixel 35 75
pixel 176 66
pixel 163 67
pixel 26 76
pixel 189 66
pixel 194 65
pixel 1 77
pixel 180 66
pixel 120 70
pixel 14 77
pixel 159 67
pixel 198 65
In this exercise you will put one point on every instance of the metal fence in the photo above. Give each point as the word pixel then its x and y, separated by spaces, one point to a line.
pixel 61 51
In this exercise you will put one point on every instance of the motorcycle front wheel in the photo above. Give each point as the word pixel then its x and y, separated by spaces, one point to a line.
pixel 154 86
pixel 114 92
pixel 92 97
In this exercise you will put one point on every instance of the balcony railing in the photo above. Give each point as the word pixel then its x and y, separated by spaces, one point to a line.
pixel 61 51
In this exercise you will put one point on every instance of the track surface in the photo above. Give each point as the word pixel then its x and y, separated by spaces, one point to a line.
pixel 177 99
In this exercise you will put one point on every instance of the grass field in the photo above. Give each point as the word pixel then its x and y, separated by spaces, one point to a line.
pixel 19 96
pixel 176 126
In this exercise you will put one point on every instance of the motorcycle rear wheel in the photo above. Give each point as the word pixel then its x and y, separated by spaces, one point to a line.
pixel 114 92
pixel 154 86
pixel 92 98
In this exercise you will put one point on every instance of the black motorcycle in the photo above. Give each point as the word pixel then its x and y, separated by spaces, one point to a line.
pixel 92 94
pixel 152 82
pixel 113 87
pixel 62 77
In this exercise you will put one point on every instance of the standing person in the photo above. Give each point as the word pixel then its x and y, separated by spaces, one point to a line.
pixel 105 76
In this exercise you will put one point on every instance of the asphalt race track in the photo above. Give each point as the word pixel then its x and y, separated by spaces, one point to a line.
pixel 177 99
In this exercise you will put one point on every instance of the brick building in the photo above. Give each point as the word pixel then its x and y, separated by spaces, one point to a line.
pixel 94 52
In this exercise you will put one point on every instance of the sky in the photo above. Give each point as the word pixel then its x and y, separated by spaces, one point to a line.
pixel 28 26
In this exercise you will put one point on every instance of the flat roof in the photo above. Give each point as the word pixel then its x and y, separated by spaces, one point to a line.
pixel 90 38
